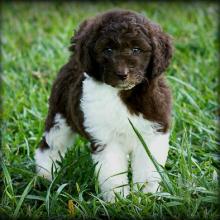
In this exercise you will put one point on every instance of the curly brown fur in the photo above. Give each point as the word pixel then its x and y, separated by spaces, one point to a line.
pixel 115 72
pixel 102 48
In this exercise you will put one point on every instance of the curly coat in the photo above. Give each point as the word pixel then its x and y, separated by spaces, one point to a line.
pixel 152 97
pixel 101 49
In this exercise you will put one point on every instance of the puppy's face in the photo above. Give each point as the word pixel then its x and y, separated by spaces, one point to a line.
pixel 122 59
pixel 121 49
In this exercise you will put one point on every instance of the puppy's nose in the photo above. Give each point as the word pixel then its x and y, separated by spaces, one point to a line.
pixel 122 75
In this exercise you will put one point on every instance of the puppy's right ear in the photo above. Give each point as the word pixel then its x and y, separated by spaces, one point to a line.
pixel 162 50
pixel 82 44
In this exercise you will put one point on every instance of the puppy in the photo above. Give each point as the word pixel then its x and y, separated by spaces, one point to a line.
pixel 114 74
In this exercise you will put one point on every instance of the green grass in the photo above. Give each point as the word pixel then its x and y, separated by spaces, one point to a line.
pixel 35 39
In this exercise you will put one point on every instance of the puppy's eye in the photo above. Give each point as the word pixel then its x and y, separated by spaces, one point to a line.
pixel 108 51
pixel 136 51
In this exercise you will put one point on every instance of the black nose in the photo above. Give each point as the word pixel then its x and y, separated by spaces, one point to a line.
pixel 122 75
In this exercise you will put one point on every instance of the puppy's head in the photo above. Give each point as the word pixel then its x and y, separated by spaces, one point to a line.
pixel 121 48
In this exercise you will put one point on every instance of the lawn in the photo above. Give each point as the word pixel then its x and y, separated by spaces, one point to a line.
pixel 35 39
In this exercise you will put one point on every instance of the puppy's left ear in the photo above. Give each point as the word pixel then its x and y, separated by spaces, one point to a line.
pixel 82 47
pixel 161 53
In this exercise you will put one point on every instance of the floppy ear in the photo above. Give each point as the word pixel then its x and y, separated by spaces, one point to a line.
pixel 161 51
pixel 82 44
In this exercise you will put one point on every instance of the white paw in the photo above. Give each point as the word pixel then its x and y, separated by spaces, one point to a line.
pixel 151 187
pixel 44 173
pixel 43 163
pixel 110 196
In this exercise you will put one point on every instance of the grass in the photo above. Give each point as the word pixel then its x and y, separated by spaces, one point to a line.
pixel 35 39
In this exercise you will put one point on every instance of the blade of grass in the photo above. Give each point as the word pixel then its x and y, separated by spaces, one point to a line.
pixel 47 200
pixel 8 182
pixel 102 204
pixel 7 178
pixel 60 189
pixel 24 194
pixel 33 197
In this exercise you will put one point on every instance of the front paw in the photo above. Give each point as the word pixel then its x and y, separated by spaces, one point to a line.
pixel 44 173
pixel 110 196
pixel 148 187
pixel 151 187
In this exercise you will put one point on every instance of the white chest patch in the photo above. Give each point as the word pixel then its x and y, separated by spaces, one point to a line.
pixel 106 117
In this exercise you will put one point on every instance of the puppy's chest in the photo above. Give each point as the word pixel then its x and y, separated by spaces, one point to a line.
pixel 106 116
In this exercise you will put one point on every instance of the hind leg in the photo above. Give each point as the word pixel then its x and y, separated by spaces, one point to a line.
pixel 56 140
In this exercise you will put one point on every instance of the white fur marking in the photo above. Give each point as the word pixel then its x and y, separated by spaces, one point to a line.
pixel 106 120
pixel 59 138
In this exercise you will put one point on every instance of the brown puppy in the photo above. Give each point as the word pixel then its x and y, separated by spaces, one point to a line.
pixel 114 73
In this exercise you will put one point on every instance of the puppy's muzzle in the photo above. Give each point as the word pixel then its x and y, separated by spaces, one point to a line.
pixel 122 75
